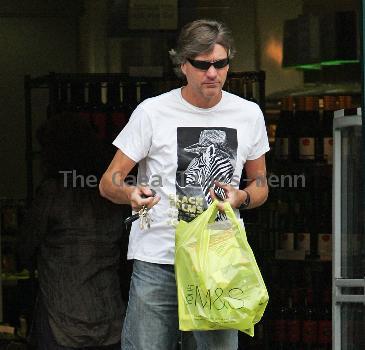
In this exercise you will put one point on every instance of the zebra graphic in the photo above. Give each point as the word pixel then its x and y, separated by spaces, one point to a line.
pixel 213 163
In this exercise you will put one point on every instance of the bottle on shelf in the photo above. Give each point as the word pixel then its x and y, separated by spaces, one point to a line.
pixel 307 122
pixel 345 102
pixel 294 321
pixel 83 100
pixel 146 90
pixel 287 234
pixel 284 132
pixel 272 227
pixel 349 103
pixel 118 111
pixel 97 108
pixel 22 329
pixel 62 101
pixel 303 236
pixel 283 242
pixel 325 321
pixel 53 99
pixel 279 321
pixel 326 140
pixel 310 323
pixel 325 236
pixel 130 99
pixel 77 98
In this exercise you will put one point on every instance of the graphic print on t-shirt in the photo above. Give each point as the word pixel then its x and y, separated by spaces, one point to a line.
pixel 203 156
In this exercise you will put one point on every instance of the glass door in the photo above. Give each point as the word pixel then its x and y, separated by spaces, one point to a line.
pixel 349 240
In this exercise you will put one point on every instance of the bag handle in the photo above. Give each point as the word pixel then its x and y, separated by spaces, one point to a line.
pixel 231 215
pixel 228 210
pixel 212 211
pixel 213 208
pixel 203 241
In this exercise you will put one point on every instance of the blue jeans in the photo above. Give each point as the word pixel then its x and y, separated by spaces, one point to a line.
pixel 151 321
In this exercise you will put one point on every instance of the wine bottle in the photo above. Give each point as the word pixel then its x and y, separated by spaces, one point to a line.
pixel 303 238
pixel 63 101
pixel 145 91
pixel 325 231
pixel 97 105
pixel 284 134
pixel 118 111
pixel 345 102
pixel 77 97
pixel 294 321
pixel 325 322
pixel 307 118
pixel 280 322
pixel 310 323
pixel 287 235
pixel 329 106
pixel 130 100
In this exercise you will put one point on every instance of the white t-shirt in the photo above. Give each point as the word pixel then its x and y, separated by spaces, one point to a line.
pixel 179 147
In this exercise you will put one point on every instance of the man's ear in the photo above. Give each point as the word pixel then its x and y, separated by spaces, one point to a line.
pixel 183 68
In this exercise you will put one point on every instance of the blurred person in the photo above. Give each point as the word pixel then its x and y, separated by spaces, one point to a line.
pixel 76 237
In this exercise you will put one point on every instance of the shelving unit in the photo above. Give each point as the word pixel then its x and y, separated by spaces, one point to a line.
pixel 245 84
pixel 11 215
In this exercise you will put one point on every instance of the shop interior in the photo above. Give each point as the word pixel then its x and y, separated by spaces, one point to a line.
pixel 298 59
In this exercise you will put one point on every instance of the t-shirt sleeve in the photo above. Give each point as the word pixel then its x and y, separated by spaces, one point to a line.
pixel 260 142
pixel 136 137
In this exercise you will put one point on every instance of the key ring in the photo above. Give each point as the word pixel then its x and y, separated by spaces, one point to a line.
pixel 134 217
pixel 141 213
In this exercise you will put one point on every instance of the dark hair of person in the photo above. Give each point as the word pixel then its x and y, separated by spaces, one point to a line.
pixel 69 143
pixel 199 37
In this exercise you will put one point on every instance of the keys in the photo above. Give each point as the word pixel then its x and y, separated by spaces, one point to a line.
pixel 143 215
pixel 132 218
pixel 145 218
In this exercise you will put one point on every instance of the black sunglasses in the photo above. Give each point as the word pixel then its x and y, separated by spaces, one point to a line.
pixel 205 65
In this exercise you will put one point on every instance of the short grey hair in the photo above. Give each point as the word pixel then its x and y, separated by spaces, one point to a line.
pixel 199 37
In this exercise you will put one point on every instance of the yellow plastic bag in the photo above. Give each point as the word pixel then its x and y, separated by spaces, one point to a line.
pixel 219 283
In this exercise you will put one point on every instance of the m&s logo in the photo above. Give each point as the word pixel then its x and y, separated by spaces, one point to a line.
pixel 216 298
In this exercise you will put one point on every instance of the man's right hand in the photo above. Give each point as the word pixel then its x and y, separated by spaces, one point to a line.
pixel 142 196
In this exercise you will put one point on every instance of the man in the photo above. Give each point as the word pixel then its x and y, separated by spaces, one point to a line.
pixel 183 140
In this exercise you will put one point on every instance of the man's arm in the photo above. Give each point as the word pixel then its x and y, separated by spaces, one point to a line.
pixel 257 186
pixel 113 187
pixel 257 182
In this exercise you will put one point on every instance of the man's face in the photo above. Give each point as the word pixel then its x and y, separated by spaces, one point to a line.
pixel 206 84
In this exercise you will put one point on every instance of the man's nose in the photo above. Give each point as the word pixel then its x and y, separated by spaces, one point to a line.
pixel 211 72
